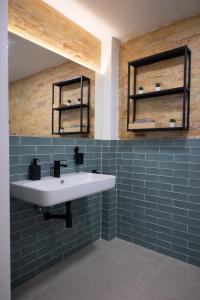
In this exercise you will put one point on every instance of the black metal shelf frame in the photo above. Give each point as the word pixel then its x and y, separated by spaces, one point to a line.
pixel 184 90
pixel 80 106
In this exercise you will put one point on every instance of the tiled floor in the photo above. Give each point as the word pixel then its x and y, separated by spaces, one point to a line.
pixel 113 271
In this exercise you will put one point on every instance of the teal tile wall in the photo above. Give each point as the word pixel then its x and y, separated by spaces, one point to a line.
pixel 109 198
pixel 158 196
pixel 37 244
pixel 156 202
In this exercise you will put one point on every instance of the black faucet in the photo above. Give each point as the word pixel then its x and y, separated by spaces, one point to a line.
pixel 57 165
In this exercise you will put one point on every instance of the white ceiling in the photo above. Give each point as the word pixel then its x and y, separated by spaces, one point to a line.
pixel 27 58
pixel 124 18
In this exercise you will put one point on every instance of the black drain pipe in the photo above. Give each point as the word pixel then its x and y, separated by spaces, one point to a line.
pixel 67 216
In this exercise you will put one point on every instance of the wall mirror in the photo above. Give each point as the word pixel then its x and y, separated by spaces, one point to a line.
pixel 32 72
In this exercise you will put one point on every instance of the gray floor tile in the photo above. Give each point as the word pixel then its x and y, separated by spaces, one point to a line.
pixel 111 271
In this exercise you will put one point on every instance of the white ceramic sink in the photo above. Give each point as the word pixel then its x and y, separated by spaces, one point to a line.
pixel 50 191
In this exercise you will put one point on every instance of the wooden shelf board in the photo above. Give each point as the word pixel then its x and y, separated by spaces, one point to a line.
pixel 73 132
pixel 71 107
pixel 166 92
pixel 158 129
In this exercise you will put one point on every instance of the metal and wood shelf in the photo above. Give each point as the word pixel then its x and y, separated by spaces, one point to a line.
pixel 83 122
pixel 181 90
pixel 65 107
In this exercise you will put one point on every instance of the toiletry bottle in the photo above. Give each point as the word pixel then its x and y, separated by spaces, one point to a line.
pixel 34 170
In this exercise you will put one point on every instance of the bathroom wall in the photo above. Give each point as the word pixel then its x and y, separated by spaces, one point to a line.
pixel 158 202
pixel 155 203
pixel 30 100
pixel 158 173
pixel 4 159
pixel 184 32
pixel 37 244
pixel 109 198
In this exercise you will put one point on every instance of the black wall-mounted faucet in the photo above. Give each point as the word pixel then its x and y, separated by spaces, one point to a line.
pixel 57 166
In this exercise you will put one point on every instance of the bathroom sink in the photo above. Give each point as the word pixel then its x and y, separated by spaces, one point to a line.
pixel 50 191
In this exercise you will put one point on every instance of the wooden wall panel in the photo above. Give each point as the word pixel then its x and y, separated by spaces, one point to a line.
pixel 184 32
pixel 30 100
pixel 40 23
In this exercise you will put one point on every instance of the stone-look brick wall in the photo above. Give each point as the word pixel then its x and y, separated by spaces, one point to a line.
pixel 57 32
pixel 30 100
pixel 169 73
pixel 158 196
pixel 37 244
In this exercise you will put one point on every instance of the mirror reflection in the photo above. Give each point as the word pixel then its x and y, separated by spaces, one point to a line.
pixel 43 101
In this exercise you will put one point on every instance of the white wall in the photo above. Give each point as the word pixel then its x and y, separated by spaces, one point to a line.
pixel 107 90
pixel 4 160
